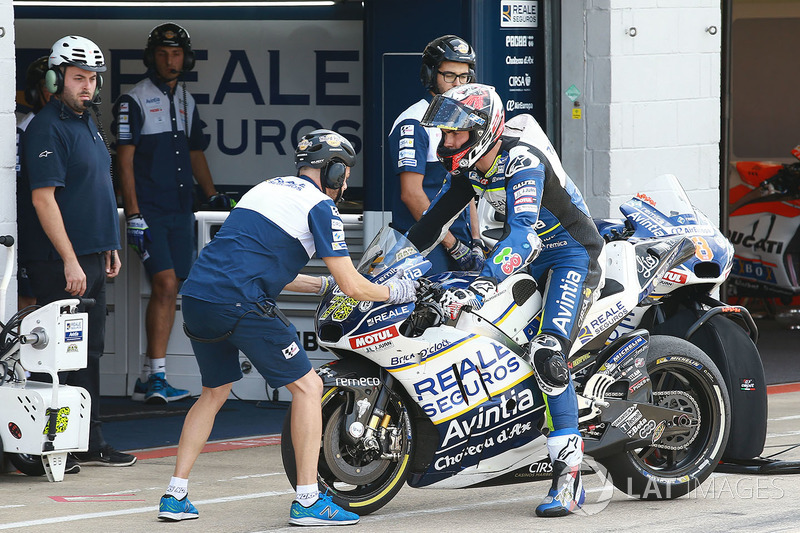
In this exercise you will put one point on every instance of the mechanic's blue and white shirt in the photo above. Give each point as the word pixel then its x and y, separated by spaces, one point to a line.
pixel 266 240
pixel 154 120
pixel 413 149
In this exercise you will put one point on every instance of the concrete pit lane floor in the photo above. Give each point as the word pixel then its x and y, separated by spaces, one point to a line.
pixel 239 486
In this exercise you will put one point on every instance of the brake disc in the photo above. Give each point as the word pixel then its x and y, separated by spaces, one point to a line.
pixel 344 461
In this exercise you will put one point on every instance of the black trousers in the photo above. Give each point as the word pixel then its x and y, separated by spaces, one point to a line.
pixel 48 283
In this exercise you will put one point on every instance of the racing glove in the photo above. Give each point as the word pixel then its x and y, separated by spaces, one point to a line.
pixel 479 252
pixel 138 233
pixel 452 300
pixel 463 256
pixel 221 202
pixel 401 290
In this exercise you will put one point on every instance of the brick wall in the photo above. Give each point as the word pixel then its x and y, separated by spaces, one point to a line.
pixel 651 102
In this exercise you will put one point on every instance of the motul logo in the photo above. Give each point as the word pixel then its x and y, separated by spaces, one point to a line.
pixel 373 338
pixel 676 277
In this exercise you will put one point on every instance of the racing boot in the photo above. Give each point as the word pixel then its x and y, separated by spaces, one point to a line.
pixel 566 493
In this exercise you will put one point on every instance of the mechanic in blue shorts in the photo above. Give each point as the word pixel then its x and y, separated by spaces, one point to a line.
pixel 229 305
pixel 159 149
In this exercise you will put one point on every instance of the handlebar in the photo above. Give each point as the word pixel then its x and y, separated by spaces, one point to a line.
pixel 86 303
pixel 7 240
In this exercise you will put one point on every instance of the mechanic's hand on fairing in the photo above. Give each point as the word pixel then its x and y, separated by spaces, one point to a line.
pixel 138 234
pixel 401 289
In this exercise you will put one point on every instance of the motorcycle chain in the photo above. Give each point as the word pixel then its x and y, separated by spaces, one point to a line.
pixel 695 413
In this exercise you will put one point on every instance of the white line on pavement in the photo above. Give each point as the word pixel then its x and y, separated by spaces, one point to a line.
pixel 136 510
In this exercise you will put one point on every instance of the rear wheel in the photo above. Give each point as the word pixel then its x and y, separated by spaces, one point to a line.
pixel 359 478
pixel 684 378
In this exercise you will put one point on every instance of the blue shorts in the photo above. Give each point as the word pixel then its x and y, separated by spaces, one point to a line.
pixel 173 244
pixel 268 343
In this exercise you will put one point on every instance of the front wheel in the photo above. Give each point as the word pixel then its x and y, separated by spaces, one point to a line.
pixel 683 378
pixel 360 478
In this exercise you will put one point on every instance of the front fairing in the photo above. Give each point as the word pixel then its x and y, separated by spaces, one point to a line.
pixel 385 257
pixel 667 211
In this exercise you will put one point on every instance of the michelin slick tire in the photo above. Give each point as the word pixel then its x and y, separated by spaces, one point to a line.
pixel 684 378
pixel 359 482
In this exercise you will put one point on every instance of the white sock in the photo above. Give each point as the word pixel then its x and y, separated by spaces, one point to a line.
pixel 157 365
pixel 307 495
pixel 178 488
pixel 145 370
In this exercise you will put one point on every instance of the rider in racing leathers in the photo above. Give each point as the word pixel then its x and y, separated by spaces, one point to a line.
pixel 516 169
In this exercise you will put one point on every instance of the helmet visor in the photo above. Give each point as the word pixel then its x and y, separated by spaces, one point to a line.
pixel 448 114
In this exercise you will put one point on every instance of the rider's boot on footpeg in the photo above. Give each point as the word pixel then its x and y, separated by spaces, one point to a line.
pixel 566 493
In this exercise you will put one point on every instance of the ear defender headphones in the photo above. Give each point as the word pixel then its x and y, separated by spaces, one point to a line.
pixel 328 151
pixel 444 48
pixel 75 51
pixel 169 34
pixel 54 82
pixel 34 75
pixel 333 174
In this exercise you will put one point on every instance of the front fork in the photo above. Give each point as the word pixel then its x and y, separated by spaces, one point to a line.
pixel 366 421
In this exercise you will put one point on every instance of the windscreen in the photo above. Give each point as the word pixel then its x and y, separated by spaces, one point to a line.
pixel 448 114
pixel 387 248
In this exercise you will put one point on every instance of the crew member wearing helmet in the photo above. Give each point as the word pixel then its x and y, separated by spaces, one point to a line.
pixel 447 61
pixel 515 168
pixel 36 96
pixel 229 306
pixel 159 149
pixel 70 245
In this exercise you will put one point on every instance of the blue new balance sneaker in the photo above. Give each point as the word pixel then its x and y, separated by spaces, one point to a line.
pixel 159 391
pixel 323 513
pixel 139 390
pixel 176 510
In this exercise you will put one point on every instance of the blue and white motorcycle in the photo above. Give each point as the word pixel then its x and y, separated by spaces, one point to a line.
pixel 419 398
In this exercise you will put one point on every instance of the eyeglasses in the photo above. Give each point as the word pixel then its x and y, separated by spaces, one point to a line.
pixel 450 77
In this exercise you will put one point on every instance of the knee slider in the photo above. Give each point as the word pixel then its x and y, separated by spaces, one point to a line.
pixel 549 364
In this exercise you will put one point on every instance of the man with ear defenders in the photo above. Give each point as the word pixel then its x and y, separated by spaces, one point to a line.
pixel 70 246
pixel 447 61
pixel 229 306
pixel 36 96
pixel 159 150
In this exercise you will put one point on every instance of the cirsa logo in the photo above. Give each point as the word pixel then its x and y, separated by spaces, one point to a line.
pixel 522 80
